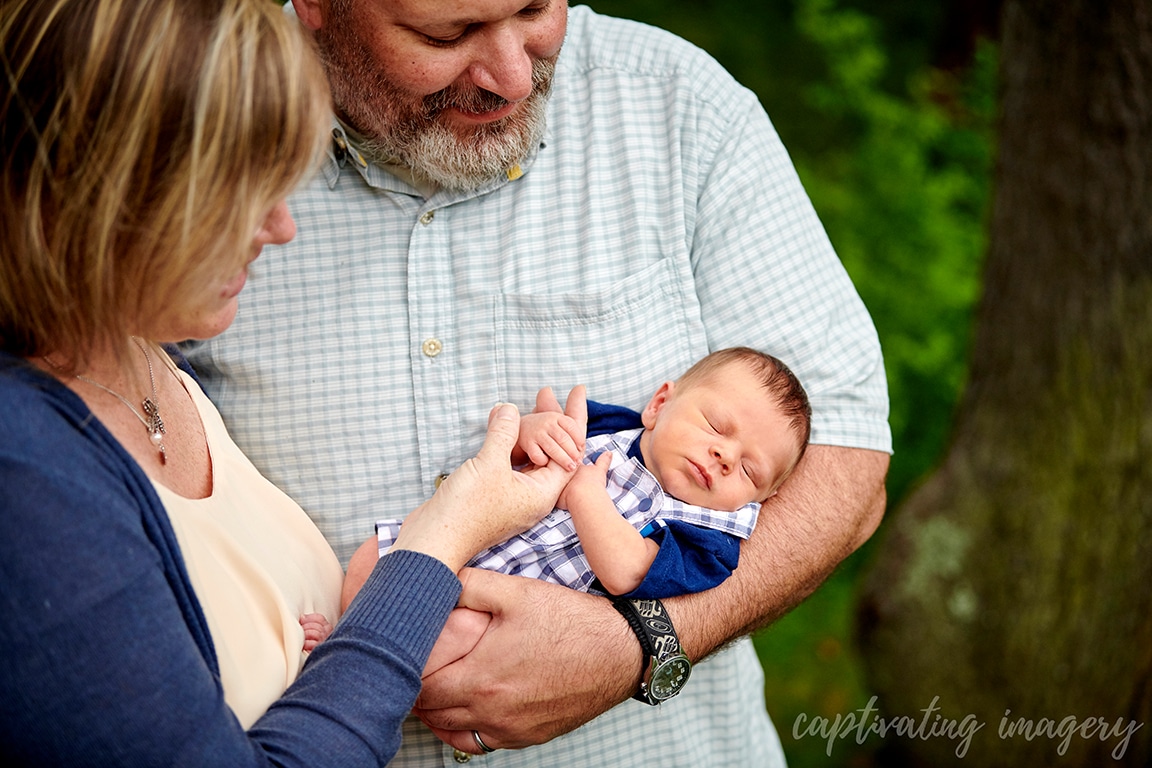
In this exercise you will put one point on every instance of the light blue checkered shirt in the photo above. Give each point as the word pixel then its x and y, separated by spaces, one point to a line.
pixel 660 219
pixel 551 549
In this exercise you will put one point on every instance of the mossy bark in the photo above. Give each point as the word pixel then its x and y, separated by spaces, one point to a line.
pixel 1019 576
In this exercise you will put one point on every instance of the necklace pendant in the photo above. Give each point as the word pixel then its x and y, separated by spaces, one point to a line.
pixel 155 427
pixel 151 416
pixel 155 423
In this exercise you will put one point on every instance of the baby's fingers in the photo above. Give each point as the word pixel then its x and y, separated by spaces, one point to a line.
pixel 562 447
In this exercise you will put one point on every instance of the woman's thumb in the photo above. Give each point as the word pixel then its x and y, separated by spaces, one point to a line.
pixel 503 429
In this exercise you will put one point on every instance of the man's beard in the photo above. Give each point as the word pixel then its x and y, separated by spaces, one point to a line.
pixel 398 127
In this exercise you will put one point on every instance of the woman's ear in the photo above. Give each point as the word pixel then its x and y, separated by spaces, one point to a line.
pixel 658 401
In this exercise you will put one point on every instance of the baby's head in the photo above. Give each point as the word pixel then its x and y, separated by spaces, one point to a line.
pixel 727 432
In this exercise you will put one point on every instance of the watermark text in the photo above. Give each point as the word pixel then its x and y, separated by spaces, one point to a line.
pixel 930 724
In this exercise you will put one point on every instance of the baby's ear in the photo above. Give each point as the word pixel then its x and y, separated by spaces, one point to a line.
pixel 658 401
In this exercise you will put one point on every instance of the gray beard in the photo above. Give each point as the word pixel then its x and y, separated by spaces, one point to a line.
pixel 437 155
pixel 397 131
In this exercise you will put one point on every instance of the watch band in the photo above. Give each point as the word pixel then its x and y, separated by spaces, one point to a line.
pixel 666 668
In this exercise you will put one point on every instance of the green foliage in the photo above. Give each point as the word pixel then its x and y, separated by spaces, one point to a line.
pixel 903 197
pixel 812 670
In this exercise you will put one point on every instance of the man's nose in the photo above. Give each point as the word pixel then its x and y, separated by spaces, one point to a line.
pixel 502 64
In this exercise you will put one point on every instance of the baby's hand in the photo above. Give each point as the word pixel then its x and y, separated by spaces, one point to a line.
pixel 551 434
pixel 589 479
pixel 316 629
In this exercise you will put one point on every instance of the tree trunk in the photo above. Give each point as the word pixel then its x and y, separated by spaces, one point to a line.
pixel 1016 584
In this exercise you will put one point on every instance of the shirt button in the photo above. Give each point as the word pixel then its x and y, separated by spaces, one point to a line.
pixel 432 347
pixel 440 479
pixel 460 757
pixel 426 219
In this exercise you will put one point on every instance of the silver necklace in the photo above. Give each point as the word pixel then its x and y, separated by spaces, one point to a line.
pixel 151 416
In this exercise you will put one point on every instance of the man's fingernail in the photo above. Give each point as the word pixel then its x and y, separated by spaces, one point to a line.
pixel 505 411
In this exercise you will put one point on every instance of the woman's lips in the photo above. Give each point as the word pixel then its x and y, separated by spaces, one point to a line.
pixel 234 286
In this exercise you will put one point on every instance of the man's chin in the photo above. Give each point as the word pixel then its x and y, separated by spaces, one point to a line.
pixel 468 162
pixel 461 180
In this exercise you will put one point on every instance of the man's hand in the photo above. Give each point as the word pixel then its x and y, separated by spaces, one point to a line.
pixel 551 660
pixel 460 635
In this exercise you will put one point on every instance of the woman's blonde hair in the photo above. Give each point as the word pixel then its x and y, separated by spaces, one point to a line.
pixel 144 142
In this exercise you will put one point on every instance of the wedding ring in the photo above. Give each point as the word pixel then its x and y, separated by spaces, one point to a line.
pixel 483 747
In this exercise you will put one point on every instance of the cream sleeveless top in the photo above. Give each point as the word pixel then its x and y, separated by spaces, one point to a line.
pixel 257 563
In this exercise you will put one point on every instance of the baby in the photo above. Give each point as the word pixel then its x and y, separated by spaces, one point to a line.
pixel 659 505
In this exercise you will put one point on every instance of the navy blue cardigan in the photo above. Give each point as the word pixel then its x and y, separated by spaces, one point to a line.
pixel 107 657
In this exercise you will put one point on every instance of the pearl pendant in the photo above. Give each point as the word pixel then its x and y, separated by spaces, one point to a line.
pixel 157 438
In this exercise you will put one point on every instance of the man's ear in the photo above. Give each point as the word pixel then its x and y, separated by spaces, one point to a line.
pixel 311 12
pixel 658 401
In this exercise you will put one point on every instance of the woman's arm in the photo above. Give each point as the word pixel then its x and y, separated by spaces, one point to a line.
pixel 108 657
pixel 106 661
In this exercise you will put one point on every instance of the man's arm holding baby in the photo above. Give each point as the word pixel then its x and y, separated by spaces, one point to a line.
pixel 524 685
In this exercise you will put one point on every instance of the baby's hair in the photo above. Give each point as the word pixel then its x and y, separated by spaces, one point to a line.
pixel 775 377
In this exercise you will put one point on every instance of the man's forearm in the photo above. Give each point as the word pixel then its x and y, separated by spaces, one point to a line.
pixel 830 506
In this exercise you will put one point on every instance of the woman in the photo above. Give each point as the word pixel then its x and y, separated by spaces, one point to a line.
pixel 148 147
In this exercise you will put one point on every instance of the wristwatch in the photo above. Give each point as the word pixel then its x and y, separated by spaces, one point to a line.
pixel 666 668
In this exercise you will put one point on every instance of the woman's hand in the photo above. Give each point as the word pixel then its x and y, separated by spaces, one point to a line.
pixel 484 501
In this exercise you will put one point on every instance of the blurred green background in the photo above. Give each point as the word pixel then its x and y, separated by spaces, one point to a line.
pixel 888 110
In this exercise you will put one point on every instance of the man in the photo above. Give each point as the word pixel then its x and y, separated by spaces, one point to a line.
pixel 498 214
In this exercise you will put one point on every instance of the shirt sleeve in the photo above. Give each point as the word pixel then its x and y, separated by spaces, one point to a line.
pixel 766 275
pixel 691 559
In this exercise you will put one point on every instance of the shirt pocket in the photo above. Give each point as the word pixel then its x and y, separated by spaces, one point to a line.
pixel 620 341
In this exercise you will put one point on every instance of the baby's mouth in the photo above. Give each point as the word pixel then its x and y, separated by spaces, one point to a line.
pixel 702 475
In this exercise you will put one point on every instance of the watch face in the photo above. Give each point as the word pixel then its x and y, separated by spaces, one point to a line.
pixel 669 678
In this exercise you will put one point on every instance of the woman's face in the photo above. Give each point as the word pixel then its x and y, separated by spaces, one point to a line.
pixel 213 307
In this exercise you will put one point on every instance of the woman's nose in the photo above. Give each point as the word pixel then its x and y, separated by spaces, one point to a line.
pixel 278 226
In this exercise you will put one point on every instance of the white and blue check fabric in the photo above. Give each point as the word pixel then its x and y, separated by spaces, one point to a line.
pixel 661 219
pixel 551 549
